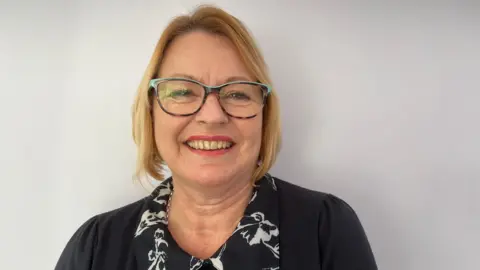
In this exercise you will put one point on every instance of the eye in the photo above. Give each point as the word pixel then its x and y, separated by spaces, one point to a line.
pixel 237 95
pixel 180 93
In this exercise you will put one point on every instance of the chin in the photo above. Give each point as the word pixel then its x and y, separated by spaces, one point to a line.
pixel 210 175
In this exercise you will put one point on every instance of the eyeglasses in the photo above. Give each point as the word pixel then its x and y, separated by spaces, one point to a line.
pixel 184 97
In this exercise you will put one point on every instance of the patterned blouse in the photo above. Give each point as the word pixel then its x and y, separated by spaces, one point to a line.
pixel 254 244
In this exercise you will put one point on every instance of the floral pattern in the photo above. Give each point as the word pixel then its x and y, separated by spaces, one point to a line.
pixel 158 257
pixel 257 231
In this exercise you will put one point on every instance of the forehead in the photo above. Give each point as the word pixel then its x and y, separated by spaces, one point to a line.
pixel 207 57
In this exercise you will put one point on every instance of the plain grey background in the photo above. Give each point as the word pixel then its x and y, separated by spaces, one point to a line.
pixel 380 106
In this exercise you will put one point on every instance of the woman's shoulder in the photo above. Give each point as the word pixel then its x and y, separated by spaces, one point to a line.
pixel 324 207
pixel 121 217
pixel 302 195
pixel 101 228
pixel 124 216
pixel 325 225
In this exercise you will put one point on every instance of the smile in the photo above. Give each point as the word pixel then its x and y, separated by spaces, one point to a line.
pixel 209 145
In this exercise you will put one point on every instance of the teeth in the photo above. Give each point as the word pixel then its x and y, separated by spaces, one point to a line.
pixel 209 145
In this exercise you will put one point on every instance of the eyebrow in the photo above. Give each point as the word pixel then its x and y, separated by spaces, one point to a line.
pixel 229 79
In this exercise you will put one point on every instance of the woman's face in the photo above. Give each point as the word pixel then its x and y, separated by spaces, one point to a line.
pixel 212 60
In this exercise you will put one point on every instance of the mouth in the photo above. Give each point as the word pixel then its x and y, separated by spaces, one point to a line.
pixel 209 145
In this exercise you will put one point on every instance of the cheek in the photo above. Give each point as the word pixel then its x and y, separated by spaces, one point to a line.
pixel 251 131
pixel 167 131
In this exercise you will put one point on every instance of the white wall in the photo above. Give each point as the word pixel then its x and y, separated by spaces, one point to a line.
pixel 380 107
pixel 34 59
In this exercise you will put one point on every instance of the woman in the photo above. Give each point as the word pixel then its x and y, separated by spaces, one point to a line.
pixel 206 108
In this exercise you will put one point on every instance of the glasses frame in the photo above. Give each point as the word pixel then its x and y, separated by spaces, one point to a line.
pixel 266 89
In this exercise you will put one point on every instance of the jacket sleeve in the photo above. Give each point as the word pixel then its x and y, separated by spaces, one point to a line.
pixel 78 253
pixel 343 242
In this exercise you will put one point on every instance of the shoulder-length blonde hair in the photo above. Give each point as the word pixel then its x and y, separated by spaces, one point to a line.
pixel 213 20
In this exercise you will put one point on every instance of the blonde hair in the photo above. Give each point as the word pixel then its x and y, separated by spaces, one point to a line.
pixel 217 21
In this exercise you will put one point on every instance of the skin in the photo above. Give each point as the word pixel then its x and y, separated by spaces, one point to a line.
pixel 211 193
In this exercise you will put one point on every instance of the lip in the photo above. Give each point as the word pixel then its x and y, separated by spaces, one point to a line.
pixel 209 153
pixel 210 138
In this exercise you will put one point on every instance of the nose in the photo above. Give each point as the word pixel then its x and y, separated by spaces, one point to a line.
pixel 211 111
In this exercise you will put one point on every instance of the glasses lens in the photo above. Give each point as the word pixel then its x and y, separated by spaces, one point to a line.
pixel 242 99
pixel 180 97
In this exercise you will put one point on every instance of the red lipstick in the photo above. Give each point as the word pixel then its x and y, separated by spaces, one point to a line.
pixel 209 138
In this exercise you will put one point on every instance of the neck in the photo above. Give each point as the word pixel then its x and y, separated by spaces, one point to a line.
pixel 216 208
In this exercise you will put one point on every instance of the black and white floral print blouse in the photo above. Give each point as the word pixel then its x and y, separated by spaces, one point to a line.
pixel 254 244
pixel 284 226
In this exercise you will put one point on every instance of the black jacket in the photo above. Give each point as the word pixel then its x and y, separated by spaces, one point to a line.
pixel 318 231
